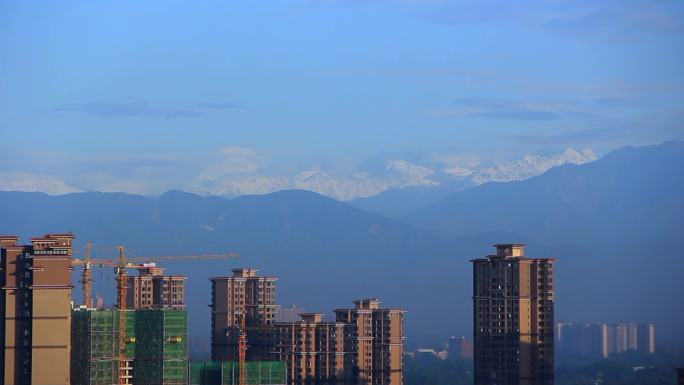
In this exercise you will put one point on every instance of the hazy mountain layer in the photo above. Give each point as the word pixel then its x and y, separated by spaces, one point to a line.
pixel 615 225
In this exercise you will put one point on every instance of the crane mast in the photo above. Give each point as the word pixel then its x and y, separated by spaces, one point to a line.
pixel 86 276
pixel 121 292
pixel 242 351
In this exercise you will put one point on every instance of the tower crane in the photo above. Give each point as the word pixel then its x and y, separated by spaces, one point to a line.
pixel 242 350
pixel 87 263
pixel 120 266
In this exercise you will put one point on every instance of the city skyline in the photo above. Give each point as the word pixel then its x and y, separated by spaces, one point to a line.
pixel 184 159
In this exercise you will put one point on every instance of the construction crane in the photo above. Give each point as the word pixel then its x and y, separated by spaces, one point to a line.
pixel 242 343
pixel 242 350
pixel 121 292
pixel 120 266
pixel 86 276
pixel 87 263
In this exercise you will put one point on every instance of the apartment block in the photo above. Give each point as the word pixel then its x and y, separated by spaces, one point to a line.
pixel 460 349
pixel 513 310
pixel 312 350
pixel 646 338
pixel 245 294
pixel 364 345
pixel 36 305
pixel 151 289
pixel 588 340
pixel 383 330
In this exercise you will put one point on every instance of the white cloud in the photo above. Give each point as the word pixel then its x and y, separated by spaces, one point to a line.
pixel 231 160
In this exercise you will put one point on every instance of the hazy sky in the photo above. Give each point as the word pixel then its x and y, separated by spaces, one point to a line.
pixel 145 95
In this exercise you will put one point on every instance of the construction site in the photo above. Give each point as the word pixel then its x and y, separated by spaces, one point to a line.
pixel 143 339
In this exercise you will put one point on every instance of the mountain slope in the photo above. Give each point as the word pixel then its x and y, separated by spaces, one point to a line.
pixel 326 253
pixel 615 226
pixel 630 192
pixel 400 201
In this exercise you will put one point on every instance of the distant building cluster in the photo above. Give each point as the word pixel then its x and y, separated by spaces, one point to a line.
pixel 460 348
pixel 594 340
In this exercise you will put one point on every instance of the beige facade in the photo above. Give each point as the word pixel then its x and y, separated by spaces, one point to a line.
pixel 36 304
pixel 364 345
pixel 151 289
pixel 245 294
pixel 513 310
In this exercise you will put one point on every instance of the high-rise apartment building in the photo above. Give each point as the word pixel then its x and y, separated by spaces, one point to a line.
pixel 376 338
pixel 581 340
pixel 460 349
pixel 312 350
pixel 248 295
pixel 151 289
pixel 646 338
pixel 36 305
pixel 513 310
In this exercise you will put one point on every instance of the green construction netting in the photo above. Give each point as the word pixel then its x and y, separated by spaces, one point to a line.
pixel 227 373
pixel 156 342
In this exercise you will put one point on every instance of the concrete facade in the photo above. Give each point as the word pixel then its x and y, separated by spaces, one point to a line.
pixel 36 304
pixel 363 345
pixel 248 295
pixel 513 310
pixel 151 289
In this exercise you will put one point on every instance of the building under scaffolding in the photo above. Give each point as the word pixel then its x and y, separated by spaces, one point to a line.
pixel 156 347
pixel 227 373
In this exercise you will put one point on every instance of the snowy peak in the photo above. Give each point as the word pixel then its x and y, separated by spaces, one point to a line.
pixel 21 181
pixel 239 172
pixel 531 165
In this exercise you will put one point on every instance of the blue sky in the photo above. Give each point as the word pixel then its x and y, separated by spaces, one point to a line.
pixel 142 96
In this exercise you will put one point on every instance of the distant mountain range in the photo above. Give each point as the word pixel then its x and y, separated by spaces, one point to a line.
pixel 326 253
pixel 615 224
pixel 394 175
pixel 364 186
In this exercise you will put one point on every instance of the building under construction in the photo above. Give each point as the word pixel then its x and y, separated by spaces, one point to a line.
pixel 36 308
pixel 156 347
pixel 363 345
pixel 228 373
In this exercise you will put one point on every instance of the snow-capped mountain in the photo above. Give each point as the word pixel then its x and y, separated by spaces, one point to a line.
pixel 530 165
pixel 238 173
pixel 21 181
pixel 397 173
